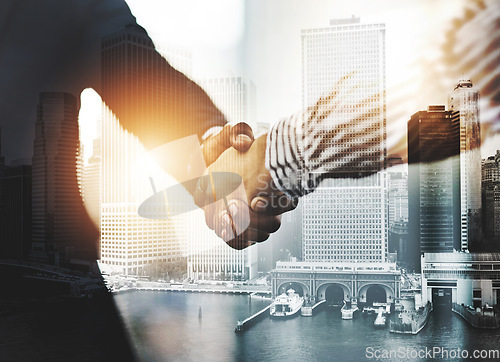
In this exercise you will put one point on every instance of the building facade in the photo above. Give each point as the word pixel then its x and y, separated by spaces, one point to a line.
pixel 434 188
pixel 235 96
pixel 465 101
pixel 472 279
pixel 209 258
pixel 58 214
pixel 345 219
pixel 491 202
pixel 15 211
pixel 130 244
pixel 92 183
pixel 490 168
pixel 357 283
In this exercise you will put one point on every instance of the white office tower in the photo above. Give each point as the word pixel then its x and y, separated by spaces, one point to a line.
pixel 131 244
pixel 397 191
pixel 209 257
pixel 344 220
pixel 465 100
pixel 235 96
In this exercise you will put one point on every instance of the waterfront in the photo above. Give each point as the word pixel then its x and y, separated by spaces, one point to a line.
pixel 166 326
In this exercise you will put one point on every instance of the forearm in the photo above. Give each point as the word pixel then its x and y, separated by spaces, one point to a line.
pixel 305 149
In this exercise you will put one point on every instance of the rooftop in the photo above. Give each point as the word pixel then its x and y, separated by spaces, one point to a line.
pixel 461 257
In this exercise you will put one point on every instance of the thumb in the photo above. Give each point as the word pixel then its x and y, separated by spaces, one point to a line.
pixel 239 136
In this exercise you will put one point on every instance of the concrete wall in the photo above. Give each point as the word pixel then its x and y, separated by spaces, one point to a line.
pixel 464 292
pixel 487 292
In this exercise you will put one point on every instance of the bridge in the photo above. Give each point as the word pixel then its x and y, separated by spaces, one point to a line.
pixel 362 283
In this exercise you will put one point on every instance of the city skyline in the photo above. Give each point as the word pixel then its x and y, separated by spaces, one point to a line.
pixel 423 62
pixel 410 149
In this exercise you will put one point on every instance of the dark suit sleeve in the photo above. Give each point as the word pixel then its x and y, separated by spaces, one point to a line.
pixel 149 97
pixel 56 45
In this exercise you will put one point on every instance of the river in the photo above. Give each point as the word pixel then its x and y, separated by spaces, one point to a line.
pixel 167 326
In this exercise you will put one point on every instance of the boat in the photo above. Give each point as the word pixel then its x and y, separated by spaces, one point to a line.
pixel 286 305
pixel 369 310
pixel 349 312
pixel 380 321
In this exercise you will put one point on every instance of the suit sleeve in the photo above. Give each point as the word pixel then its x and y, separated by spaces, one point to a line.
pixel 149 97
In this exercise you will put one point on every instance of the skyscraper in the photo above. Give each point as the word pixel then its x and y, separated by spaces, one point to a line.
pixel 130 243
pixel 208 256
pixel 15 212
pixel 490 168
pixel 236 96
pixel 2 159
pixel 345 219
pixel 92 183
pixel 434 187
pixel 491 202
pixel 397 211
pixel 15 209
pixel 58 213
pixel 465 100
pixel 397 191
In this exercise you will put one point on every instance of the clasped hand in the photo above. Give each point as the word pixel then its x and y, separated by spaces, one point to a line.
pixel 251 212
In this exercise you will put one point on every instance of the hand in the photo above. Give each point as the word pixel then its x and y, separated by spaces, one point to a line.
pixel 232 219
pixel 239 136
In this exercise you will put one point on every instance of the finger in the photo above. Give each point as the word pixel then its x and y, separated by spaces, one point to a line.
pixel 240 242
pixel 243 241
pixel 241 136
pixel 257 230
pixel 243 219
pixel 273 204
pixel 248 238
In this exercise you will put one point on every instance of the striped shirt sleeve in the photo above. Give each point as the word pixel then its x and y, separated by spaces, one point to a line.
pixel 325 141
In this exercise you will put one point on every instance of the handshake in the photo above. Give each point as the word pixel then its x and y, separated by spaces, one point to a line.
pixel 240 201
pixel 240 191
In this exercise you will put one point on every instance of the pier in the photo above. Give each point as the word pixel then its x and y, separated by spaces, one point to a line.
pixel 242 325
pixel 202 290
pixel 484 319
pixel 308 311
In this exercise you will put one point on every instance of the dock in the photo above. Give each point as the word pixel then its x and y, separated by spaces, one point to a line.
pixel 410 322
pixel 197 290
pixel 487 320
pixel 242 325
pixel 308 311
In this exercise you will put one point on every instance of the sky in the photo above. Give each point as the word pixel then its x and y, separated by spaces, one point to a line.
pixel 260 40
